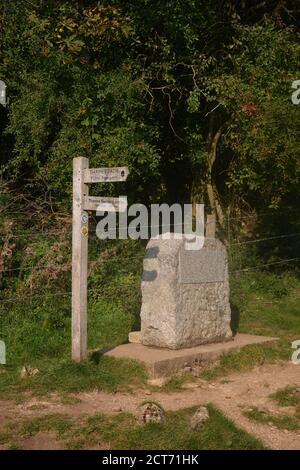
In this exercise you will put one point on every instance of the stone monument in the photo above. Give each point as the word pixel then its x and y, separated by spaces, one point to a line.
pixel 185 294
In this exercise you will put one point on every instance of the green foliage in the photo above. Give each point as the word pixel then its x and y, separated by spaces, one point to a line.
pixel 268 284
pixel 262 127
pixel 134 83
pixel 69 102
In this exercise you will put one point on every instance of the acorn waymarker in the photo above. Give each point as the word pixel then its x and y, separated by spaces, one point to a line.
pixel 82 202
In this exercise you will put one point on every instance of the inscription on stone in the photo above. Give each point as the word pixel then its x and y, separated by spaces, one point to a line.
pixel 201 266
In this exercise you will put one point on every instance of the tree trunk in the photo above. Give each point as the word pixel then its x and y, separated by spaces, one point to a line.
pixel 212 192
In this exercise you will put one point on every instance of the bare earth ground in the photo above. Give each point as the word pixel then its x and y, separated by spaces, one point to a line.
pixel 232 395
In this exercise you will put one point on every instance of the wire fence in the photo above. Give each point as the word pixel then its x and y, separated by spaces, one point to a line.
pixel 67 266
pixel 130 286
pixel 42 233
pixel 99 291
pixel 49 295
pixel 234 243
pixel 120 228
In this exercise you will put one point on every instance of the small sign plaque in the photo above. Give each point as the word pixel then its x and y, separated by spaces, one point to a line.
pixel 84 218
pixel 105 175
pixel 106 204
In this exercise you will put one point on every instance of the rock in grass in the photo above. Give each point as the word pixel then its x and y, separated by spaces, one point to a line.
pixel 151 413
pixel 157 382
pixel 28 371
pixel 199 418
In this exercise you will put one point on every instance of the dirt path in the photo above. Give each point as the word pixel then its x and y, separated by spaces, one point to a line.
pixel 232 395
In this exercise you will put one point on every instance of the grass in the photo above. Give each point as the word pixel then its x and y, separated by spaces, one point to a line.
pixel 69 399
pixel 67 377
pixel 288 396
pixel 262 304
pixel 48 349
pixel 280 421
pixel 38 332
pixel 15 432
pixel 285 397
pixel 247 358
pixel 177 382
pixel 56 422
pixel 123 432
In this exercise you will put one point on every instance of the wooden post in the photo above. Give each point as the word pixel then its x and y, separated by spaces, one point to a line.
pixel 79 261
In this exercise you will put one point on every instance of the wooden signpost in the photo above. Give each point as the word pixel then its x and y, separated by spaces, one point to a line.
pixel 82 202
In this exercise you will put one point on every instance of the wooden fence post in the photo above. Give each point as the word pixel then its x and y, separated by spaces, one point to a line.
pixel 79 261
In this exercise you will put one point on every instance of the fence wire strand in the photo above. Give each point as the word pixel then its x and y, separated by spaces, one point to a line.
pixel 67 267
pixel 126 286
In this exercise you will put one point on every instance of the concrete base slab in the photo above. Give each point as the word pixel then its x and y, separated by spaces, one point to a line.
pixel 161 362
